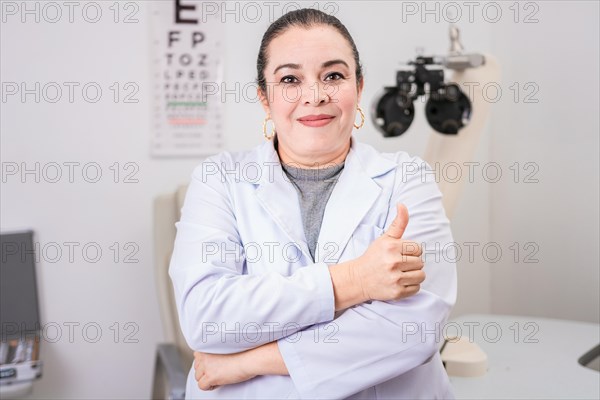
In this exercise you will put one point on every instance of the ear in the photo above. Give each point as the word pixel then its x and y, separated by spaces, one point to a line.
pixel 360 88
pixel 264 100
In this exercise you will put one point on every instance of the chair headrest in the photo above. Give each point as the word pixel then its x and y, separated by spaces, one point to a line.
pixel 180 197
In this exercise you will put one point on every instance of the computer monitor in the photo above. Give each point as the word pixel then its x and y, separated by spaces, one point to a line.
pixel 19 311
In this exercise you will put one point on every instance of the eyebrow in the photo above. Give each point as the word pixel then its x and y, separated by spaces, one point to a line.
pixel 324 65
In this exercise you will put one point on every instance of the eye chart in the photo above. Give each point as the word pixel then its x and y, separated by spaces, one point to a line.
pixel 187 61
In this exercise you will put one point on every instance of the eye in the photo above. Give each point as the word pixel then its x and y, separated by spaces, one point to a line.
pixel 289 79
pixel 335 76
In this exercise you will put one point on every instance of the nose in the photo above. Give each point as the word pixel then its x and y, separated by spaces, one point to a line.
pixel 316 94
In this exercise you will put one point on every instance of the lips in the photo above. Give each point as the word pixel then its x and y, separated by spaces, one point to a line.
pixel 316 121
pixel 315 117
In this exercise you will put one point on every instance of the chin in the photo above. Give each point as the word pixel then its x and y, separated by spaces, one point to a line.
pixel 313 142
pixel 319 143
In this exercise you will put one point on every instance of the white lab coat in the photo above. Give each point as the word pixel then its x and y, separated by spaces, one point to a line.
pixel 243 277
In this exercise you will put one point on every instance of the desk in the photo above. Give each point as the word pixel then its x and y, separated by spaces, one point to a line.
pixel 16 390
pixel 529 358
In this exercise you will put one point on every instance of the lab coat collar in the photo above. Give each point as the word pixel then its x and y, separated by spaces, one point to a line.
pixel 352 197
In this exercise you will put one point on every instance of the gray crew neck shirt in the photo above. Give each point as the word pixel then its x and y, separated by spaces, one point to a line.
pixel 314 187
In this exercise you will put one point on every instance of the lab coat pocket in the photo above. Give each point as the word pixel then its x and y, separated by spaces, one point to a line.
pixel 363 236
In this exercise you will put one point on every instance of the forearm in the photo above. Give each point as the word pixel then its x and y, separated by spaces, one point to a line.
pixel 265 360
pixel 346 286
pixel 402 338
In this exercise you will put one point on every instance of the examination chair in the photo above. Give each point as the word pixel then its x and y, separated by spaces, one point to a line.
pixel 174 357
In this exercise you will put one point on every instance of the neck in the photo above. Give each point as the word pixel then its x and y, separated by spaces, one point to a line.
pixel 312 162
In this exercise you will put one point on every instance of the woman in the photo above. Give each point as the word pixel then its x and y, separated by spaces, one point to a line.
pixel 296 271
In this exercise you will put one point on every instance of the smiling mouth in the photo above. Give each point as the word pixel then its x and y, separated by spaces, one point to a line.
pixel 316 121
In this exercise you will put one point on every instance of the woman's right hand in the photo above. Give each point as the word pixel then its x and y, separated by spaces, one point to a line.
pixel 391 268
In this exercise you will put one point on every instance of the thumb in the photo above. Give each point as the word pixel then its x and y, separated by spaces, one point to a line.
pixel 396 229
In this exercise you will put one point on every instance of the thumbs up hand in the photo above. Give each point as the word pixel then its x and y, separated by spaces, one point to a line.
pixel 398 226
pixel 391 268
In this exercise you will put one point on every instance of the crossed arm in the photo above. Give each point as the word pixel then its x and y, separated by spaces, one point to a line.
pixel 213 370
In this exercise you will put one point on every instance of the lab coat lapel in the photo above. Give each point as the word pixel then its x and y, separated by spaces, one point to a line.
pixel 277 196
pixel 351 199
pixel 353 196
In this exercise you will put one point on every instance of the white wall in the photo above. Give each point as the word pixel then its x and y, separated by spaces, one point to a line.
pixel 106 212
pixel 559 214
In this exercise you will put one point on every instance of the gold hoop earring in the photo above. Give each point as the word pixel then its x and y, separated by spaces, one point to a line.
pixel 266 120
pixel 362 118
